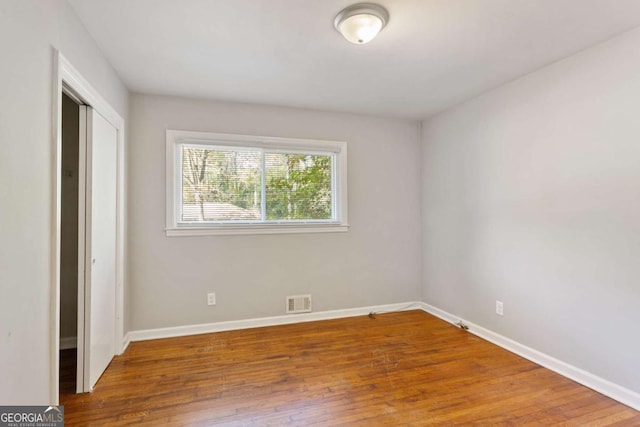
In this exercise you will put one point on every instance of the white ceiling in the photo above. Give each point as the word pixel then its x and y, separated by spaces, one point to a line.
pixel 432 54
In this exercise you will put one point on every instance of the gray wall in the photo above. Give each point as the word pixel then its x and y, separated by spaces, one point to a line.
pixel 69 220
pixel 29 30
pixel 376 262
pixel 531 195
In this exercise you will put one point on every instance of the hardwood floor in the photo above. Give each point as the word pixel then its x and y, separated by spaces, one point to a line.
pixel 398 369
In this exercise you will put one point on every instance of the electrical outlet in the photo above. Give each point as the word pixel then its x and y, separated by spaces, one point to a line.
pixel 211 298
pixel 499 308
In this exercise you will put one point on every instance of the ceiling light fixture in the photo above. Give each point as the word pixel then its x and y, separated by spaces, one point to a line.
pixel 361 22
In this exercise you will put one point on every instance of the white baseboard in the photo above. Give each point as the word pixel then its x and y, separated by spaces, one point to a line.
pixel 612 390
pixel 126 340
pixel 68 342
pixel 206 328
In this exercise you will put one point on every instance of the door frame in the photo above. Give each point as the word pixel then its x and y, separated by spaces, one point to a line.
pixel 66 78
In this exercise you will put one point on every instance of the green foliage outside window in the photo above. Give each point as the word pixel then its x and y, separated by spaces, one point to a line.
pixel 298 186
pixel 223 185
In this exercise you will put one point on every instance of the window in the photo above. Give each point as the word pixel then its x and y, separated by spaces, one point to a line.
pixel 237 184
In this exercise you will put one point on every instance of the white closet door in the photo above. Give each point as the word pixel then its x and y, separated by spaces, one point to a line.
pixel 100 261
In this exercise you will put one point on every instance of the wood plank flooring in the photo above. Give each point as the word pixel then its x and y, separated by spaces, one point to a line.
pixel 399 369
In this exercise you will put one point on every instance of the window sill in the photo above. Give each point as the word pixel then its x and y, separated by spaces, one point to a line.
pixel 245 229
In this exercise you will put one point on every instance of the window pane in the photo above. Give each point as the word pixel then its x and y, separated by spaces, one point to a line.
pixel 220 185
pixel 298 186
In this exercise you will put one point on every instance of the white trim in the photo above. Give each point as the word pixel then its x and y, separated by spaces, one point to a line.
pixel 206 328
pixel 257 229
pixel 126 340
pixel 337 150
pixel 441 314
pixel 256 141
pixel 56 215
pixel 601 385
pixel 67 343
pixel 67 77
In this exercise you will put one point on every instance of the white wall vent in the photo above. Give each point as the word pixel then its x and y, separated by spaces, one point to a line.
pixel 299 304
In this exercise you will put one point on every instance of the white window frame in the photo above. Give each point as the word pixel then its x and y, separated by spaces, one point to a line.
pixel 177 138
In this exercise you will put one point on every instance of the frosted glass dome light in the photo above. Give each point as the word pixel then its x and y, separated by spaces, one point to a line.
pixel 361 22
